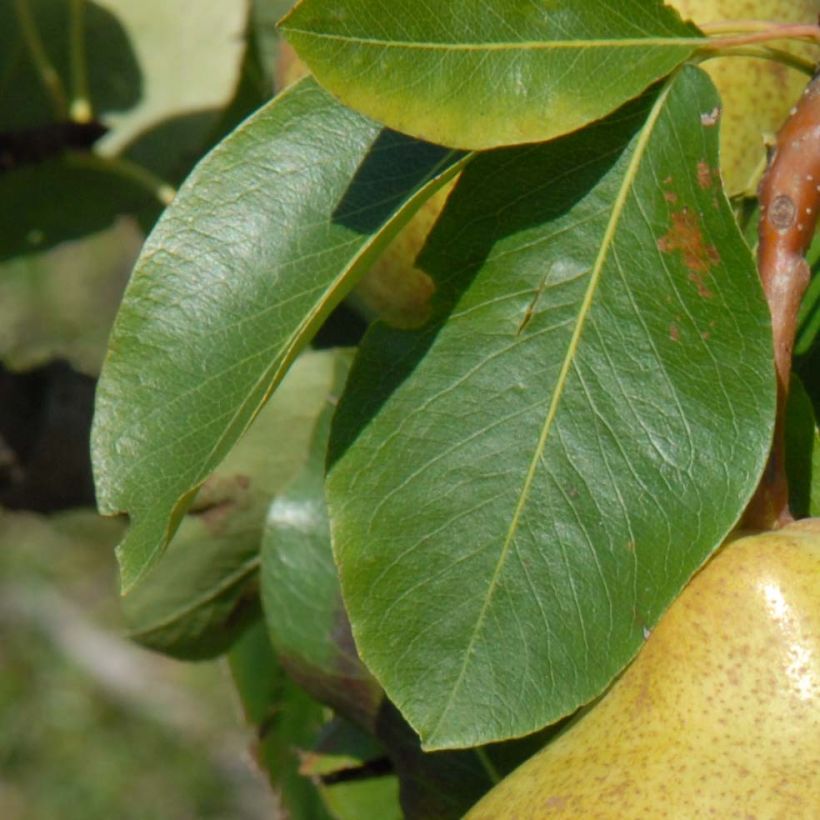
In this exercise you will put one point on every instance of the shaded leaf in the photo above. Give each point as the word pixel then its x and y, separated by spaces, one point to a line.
pixel 189 54
pixel 61 304
pixel 479 75
pixel 520 489
pixel 307 622
pixel 341 746
pixel 802 452
pixel 808 320
pixel 353 775
pixel 114 76
pixel 285 718
pixel 65 197
pixel 265 238
pixel 446 784
pixel 202 592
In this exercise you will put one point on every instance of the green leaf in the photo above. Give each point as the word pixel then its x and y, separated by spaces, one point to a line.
pixel 800 437
pixel 802 452
pixel 353 774
pixel 200 594
pixel 446 784
pixel 286 720
pixel 264 239
pixel 368 797
pixel 479 75
pixel 808 319
pixel 114 76
pixel 520 489
pixel 302 600
pixel 814 493
pixel 61 304
pixel 61 198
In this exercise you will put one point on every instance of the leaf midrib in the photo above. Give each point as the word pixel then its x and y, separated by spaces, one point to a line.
pixel 525 45
pixel 583 313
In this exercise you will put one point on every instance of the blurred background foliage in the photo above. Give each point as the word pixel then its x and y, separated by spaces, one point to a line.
pixel 104 108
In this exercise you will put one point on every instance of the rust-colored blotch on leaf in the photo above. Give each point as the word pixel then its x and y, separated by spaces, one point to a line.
pixel 719 716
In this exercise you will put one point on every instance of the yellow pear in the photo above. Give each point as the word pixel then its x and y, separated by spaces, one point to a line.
pixel 719 715
pixel 756 93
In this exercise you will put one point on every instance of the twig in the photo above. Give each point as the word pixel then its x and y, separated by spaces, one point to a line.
pixel 762 34
pixel 789 197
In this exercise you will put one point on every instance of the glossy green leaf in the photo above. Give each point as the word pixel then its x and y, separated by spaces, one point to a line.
pixel 478 75
pixel 307 622
pixel 265 238
pixel 519 489
pixel 285 720
pixel 200 594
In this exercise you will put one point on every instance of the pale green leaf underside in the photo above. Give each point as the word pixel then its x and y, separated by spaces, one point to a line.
pixel 263 240
pixel 549 461
pixel 479 75
pixel 195 600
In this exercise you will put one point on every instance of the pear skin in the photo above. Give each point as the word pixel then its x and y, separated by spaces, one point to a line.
pixel 719 715
pixel 756 93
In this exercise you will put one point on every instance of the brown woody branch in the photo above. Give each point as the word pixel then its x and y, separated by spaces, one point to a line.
pixel 789 197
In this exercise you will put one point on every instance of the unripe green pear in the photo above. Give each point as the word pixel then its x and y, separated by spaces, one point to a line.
pixel 719 715
pixel 756 93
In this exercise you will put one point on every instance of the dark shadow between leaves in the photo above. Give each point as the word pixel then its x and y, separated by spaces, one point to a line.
pixel 382 180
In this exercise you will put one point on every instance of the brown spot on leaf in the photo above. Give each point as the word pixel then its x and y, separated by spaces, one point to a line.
pixel 686 236
pixel 704 175
pixel 674 333
pixel 670 196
